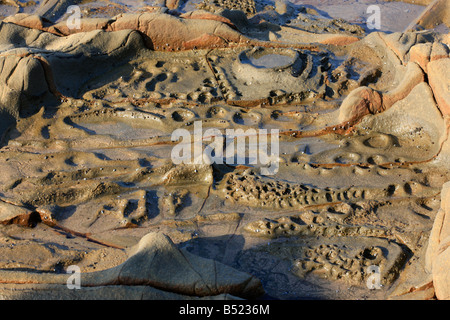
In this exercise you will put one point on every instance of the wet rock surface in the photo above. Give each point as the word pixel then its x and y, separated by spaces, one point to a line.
pixel 355 208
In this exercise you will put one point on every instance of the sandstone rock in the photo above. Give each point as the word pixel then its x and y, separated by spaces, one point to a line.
pixel 273 36
pixel 446 39
pixel 189 174
pixel 26 76
pixel 438 252
pixel 420 54
pixel 401 43
pixel 166 32
pixel 412 76
pixel 438 72
pixel 283 7
pixel 417 111
pixel 86 25
pixel 37 22
pixel 207 16
pixel 360 102
pixel 437 12
pixel 91 70
pixel 439 51
pixel 28 20
pixel 172 4
pixel 162 32
pixel 364 100
pixel 208 40
pixel 53 9
pixel 10 213
pixel 337 40
pixel 426 293
pixel 423 53
pixel 22 78
pixel 441 275
pixel 157 263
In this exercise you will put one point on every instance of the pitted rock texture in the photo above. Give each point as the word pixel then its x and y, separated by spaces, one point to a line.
pixel 87 170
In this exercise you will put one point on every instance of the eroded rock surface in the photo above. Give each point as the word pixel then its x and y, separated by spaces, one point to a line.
pixel 157 263
pixel 438 261
pixel 87 170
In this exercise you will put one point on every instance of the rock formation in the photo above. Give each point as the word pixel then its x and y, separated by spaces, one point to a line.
pixel 90 118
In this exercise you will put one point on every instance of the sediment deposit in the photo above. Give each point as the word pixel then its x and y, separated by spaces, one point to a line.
pixel 87 178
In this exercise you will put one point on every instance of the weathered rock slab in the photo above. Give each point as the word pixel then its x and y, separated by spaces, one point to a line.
pixel 438 254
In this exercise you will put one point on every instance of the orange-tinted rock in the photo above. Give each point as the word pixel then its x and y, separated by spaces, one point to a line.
pixel 364 100
pixel 436 12
pixel 62 28
pixel 426 293
pixel 205 41
pixel 166 32
pixel 439 51
pixel 441 274
pixel 399 43
pixel 161 31
pixel 207 16
pixel 438 72
pixel 29 21
pixel 172 4
pixel 12 214
pixel 86 25
pixel 423 53
pixel 339 40
pixel 438 251
pixel 360 102
pixel 420 54
pixel 412 77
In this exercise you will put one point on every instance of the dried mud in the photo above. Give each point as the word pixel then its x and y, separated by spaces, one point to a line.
pixel 86 119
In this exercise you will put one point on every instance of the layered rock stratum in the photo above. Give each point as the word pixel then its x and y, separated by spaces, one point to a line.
pixel 87 176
